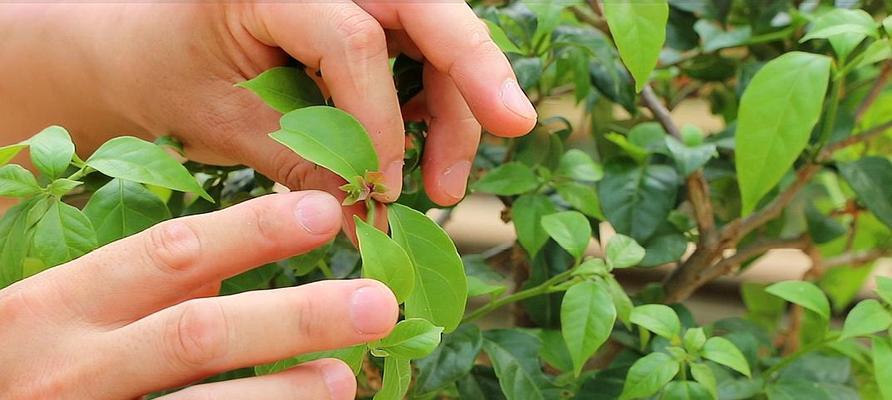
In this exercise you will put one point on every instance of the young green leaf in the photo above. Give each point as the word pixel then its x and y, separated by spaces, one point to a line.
pixel 639 30
pixel 704 375
pixel 479 287
pixel 780 107
pixel 637 199
pixel 412 338
pixel 515 358
pixel 657 318
pixel 845 29
pixel 569 229
pixel 685 390
pixel 16 181
pixel 507 180
pixel 441 289
pixel 8 152
pixel 63 234
pixel 450 361
pixel 648 375
pixel 722 351
pixel 578 165
pixel 623 252
pixel 884 288
pixel 805 294
pixel 592 267
pixel 136 160
pixel 51 151
pixel 582 197
pixel 621 301
pixel 285 89
pixel 121 208
pixel 527 213
pixel 882 364
pixel 352 356
pixel 384 260
pixel 871 179
pixel 396 380
pixel 587 318
pixel 868 317
pixel 694 339
pixel 62 186
pixel 501 39
pixel 689 158
pixel 16 234
pixel 322 134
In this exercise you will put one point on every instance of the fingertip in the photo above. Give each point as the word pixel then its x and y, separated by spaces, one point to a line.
pixel 393 181
pixel 318 213
pixel 447 186
pixel 338 377
pixel 373 308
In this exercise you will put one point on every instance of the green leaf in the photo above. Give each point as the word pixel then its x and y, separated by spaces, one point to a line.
pixel 582 197
pixel 663 248
pixel 871 179
pixel 639 30
pixel 51 151
pixel 576 164
pixel 884 288
pixel 657 318
pixel 587 318
pixel 384 260
pixel 121 208
pixel 136 160
pixel 623 252
pixel 690 158
pixel 450 361
pixel 15 236
pixel 882 365
pixel 16 181
pixel 686 390
pixel 694 339
pixel 397 377
pixel 868 317
pixel 322 135
pixel 648 375
pixel 722 351
pixel 479 287
pixel 285 89
pixel 441 289
pixel 592 267
pixel 63 234
pixel 637 199
pixel 507 180
pixel 703 374
pixel 621 301
pixel 845 29
pixel 879 50
pixel 780 107
pixel 515 358
pixel 501 39
pixel 8 152
pixel 352 356
pixel 554 350
pixel 805 294
pixel 412 338
pixel 60 187
pixel 569 229
pixel 527 213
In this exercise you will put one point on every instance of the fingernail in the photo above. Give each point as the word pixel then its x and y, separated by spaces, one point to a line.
pixel 318 213
pixel 454 180
pixel 516 100
pixel 371 310
pixel 338 378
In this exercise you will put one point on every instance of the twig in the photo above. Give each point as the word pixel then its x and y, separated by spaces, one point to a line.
pixel 856 258
pixel 875 91
pixel 732 264
pixel 855 139
pixel 661 113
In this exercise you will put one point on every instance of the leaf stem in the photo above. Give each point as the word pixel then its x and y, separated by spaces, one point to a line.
pixel 543 288
pixel 830 118
pixel 84 171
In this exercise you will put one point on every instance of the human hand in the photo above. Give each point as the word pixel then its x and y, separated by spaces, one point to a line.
pixel 133 317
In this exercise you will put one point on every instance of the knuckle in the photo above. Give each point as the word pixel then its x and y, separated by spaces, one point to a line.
pixel 266 235
pixel 479 45
pixel 173 246
pixel 196 335
pixel 291 171
pixel 361 33
pixel 310 317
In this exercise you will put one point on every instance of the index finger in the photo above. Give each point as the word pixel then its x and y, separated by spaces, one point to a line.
pixel 457 43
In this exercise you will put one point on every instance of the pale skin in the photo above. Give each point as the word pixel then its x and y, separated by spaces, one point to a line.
pixel 137 315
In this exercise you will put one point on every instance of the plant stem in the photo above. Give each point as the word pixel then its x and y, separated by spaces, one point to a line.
pixel 543 288
pixel 84 171
pixel 830 118
pixel 798 354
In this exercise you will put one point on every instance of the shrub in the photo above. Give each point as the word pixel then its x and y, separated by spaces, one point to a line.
pixel 802 163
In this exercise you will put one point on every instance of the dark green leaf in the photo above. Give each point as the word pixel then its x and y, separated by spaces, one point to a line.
pixel 285 89
pixel 637 199
pixel 777 113
pixel 871 179
pixel 686 390
pixel 570 229
pixel 451 361
pixel 384 260
pixel 639 30
pixel 51 151
pixel 587 317
pixel 648 375
pixel 663 248
pixel 527 213
pixel 136 160
pixel 441 289
pixel 500 38
pixel 508 179
pixel 63 234
pixel 321 134
pixel 16 181
pixel 122 208
pixel 515 357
